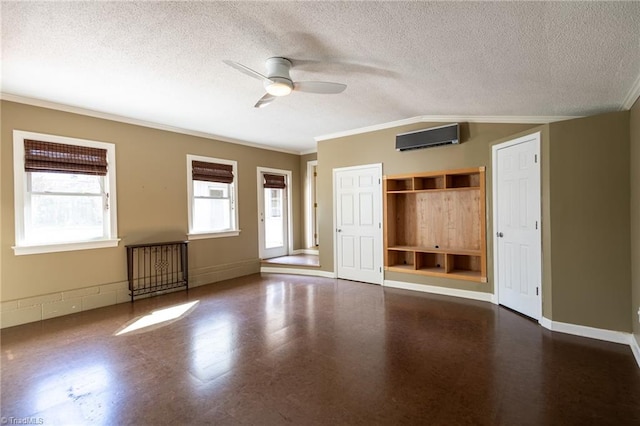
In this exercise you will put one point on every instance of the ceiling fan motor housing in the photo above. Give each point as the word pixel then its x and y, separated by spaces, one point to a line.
pixel 278 72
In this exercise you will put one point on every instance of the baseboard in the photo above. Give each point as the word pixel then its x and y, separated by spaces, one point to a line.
pixel 445 291
pixel 298 271
pixel 304 251
pixel 227 271
pixel 584 331
pixel 635 348
pixel 46 306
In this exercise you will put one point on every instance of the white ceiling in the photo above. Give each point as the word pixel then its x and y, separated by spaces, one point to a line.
pixel 162 62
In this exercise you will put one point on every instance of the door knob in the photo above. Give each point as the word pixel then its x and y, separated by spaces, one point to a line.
pixel 339 230
pixel 500 234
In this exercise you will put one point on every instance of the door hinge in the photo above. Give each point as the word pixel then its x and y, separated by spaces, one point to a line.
pixel 379 181
pixel 535 158
pixel 315 174
pixel 379 225
pixel 536 224
pixel 537 288
pixel 315 205
pixel 381 269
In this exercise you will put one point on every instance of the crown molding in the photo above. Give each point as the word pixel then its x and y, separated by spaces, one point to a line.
pixel 134 121
pixel 507 119
pixel 632 96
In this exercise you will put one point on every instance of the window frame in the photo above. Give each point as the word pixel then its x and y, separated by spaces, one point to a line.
pixel 22 199
pixel 233 194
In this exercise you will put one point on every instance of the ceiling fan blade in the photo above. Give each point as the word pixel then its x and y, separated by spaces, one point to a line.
pixel 264 101
pixel 322 87
pixel 246 70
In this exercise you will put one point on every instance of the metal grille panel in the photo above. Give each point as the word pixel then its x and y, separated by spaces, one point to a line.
pixel 157 267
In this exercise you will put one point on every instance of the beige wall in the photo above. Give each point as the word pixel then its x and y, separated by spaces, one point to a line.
pixel 379 147
pixel 585 207
pixel 590 186
pixel 635 217
pixel 152 203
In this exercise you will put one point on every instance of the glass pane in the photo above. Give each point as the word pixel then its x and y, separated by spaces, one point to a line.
pixel 65 218
pixel 274 218
pixel 211 215
pixel 210 189
pixel 63 182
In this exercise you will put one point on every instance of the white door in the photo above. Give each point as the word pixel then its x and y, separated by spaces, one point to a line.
pixel 358 236
pixel 517 227
pixel 273 212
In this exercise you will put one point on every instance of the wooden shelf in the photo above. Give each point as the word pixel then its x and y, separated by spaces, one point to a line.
pixel 436 250
pixel 435 224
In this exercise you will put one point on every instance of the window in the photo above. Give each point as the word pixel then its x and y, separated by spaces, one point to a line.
pixel 212 197
pixel 64 193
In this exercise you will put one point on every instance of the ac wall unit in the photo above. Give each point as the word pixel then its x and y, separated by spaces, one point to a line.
pixel 436 136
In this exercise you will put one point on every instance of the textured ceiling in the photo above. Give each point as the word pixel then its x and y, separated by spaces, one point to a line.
pixel 162 62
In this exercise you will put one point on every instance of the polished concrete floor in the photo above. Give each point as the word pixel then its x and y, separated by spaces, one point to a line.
pixel 283 349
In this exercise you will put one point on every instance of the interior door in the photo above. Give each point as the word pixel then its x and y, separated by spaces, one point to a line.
pixel 517 225
pixel 358 200
pixel 273 213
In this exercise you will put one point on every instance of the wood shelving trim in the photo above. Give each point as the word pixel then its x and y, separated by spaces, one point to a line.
pixel 401 268
pixel 415 191
pixel 466 171
pixel 404 191
pixel 456 275
pixel 454 251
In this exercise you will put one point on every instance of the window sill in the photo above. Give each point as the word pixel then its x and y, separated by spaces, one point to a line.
pixel 53 248
pixel 207 235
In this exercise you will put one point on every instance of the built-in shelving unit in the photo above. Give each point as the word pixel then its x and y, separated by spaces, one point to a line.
pixel 435 224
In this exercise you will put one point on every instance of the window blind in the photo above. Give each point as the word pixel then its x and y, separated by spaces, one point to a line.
pixel 211 172
pixel 62 158
pixel 274 181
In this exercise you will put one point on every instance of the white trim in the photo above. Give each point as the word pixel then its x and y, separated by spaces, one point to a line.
pixel 296 271
pixel 335 171
pixel 309 197
pixel 22 202
pixel 304 251
pixel 536 137
pixel 234 204
pixel 288 174
pixel 632 96
pixel 54 248
pixel 137 122
pixel 207 235
pixel 584 331
pixel 635 348
pixel 445 291
pixel 309 151
pixel 446 119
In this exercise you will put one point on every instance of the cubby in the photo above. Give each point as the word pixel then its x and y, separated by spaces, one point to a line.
pixel 428 182
pixel 434 224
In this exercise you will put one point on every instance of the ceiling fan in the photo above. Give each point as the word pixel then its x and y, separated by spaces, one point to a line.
pixel 278 82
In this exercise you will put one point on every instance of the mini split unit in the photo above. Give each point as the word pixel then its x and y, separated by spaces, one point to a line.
pixel 436 136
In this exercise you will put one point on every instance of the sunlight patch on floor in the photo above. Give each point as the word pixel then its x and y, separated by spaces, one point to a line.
pixel 160 316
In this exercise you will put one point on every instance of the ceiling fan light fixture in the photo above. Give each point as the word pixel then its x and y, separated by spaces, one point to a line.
pixel 278 88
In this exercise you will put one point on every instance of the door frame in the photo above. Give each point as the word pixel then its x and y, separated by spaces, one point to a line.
pixel 335 214
pixel 260 195
pixel 536 136
pixel 310 196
